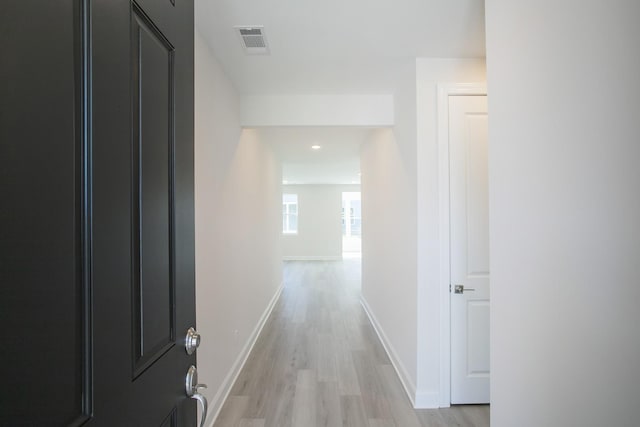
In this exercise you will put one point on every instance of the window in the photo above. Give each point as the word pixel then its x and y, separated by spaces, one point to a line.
pixel 352 213
pixel 289 213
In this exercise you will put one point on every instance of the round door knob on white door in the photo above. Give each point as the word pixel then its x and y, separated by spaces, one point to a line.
pixel 192 341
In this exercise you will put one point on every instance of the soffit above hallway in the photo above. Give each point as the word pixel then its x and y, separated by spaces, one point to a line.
pixel 338 46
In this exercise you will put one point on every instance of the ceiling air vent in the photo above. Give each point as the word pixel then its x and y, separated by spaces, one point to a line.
pixel 253 39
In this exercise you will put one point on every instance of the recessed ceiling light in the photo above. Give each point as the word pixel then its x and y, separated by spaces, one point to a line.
pixel 315 147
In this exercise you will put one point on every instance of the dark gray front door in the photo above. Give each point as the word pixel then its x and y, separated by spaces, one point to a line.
pixel 97 249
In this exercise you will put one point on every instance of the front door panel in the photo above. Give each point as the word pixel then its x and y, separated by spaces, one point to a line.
pixel 45 354
pixel 97 241
pixel 143 224
pixel 153 146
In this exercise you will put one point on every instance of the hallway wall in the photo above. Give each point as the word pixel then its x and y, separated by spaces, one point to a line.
pixel 565 202
pixel 389 242
pixel 238 224
pixel 388 250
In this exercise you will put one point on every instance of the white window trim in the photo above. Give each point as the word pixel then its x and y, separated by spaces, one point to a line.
pixel 286 230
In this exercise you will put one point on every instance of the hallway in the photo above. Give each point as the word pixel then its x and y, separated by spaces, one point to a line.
pixel 318 362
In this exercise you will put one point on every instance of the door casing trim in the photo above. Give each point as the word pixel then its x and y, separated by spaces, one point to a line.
pixel 445 90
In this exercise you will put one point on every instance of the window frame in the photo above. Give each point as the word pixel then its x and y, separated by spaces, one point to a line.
pixel 287 214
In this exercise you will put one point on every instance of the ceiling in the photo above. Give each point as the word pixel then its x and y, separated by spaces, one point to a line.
pixel 336 162
pixel 335 47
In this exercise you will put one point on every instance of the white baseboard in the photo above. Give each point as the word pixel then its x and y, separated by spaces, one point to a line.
pixel 223 392
pixel 405 379
pixel 312 258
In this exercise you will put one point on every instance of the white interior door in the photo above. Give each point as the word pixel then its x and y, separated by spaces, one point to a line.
pixel 469 223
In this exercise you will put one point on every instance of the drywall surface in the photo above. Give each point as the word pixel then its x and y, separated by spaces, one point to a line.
pixel 317 110
pixel 238 220
pixel 565 201
pixel 430 72
pixel 389 231
pixel 319 234
pixel 389 249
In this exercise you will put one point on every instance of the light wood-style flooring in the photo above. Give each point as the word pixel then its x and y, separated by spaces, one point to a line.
pixel 318 362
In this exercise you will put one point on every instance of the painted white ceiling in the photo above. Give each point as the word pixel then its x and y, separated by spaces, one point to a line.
pixel 336 162
pixel 335 47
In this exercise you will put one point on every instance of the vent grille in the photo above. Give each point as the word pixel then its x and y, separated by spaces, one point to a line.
pixel 251 31
pixel 253 40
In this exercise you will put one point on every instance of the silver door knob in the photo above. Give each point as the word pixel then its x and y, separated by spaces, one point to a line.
pixel 192 341
pixel 192 388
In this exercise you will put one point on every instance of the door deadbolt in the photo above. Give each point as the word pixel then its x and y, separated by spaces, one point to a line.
pixel 192 341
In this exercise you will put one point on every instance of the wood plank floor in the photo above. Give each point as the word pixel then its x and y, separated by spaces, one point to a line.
pixel 318 362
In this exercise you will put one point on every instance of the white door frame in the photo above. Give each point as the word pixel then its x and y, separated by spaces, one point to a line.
pixel 444 92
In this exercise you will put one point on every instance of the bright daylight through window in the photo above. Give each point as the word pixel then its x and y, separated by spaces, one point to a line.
pixel 289 213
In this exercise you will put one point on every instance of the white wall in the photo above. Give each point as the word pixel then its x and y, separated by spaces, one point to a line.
pixel 389 249
pixel 564 126
pixel 238 220
pixel 317 110
pixel 429 73
pixel 389 240
pixel 319 222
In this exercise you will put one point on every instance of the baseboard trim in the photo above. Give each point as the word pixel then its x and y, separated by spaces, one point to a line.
pixel 223 392
pixel 312 258
pixel 405 379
